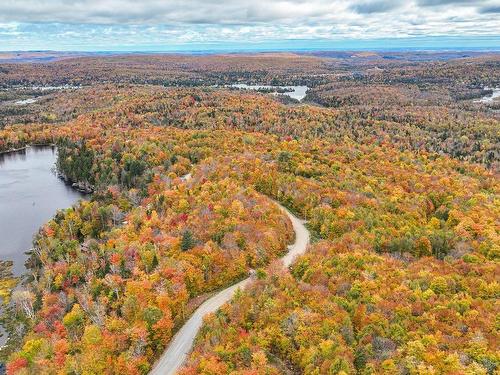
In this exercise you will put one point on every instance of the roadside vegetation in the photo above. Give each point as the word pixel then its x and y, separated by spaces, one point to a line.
pixel 402 277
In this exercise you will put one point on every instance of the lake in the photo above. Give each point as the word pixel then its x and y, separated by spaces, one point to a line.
pixel 296 92
pixel 26 101
pixel 30 195
pixel 491 97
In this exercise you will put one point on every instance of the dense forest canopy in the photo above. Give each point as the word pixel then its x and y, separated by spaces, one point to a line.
pixel 432 105
pixel 398 181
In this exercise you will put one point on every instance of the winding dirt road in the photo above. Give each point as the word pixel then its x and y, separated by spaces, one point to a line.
pixel 176 353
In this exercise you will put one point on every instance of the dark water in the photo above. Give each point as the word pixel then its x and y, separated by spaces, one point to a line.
pixel 30 195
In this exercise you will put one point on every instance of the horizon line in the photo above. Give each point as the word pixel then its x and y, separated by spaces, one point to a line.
pixel 487 43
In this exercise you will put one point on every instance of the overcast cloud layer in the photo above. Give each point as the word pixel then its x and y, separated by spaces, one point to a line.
pixel 111 24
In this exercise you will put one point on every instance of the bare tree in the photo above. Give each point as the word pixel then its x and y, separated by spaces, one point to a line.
pixel 23 299
pixel 94 310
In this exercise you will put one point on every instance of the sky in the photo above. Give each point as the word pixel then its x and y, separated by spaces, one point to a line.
pixel 192 25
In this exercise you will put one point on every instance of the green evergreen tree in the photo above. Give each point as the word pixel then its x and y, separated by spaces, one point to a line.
pixel 187 241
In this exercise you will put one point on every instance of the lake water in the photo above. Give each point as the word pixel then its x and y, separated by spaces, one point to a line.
pixel 30 195
pixel 490 98
pixel 26 101
pixel 43 88
pixel 298 92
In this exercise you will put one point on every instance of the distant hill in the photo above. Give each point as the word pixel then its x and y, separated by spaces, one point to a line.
pixel 39 56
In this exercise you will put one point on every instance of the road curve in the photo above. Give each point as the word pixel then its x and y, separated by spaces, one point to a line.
pixel 174 356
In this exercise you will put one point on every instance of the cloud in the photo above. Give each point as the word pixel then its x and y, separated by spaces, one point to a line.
pixel 379 6
pixel 448 2
pixel 41 23
pixel 206 11
pixel 490 9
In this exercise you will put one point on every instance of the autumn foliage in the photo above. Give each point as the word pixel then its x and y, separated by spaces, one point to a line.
pixel 402 277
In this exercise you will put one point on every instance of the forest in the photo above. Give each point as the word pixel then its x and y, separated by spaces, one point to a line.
pixel 431 105
pixel 398 182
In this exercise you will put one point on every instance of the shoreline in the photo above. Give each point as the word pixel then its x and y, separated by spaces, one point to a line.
pixel 12 150
pixel 82 187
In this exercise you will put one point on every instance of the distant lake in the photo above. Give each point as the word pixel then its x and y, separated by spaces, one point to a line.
pixel 296 92
pixel 491 97
pixel 30 195
pixel 26 101
pixel 43 88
